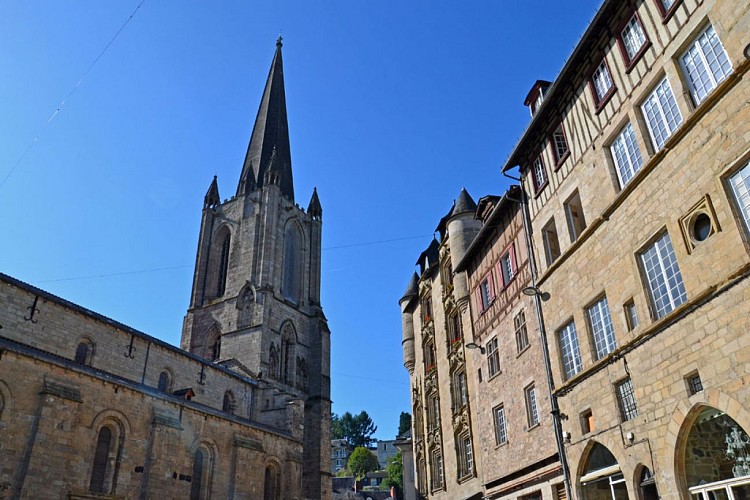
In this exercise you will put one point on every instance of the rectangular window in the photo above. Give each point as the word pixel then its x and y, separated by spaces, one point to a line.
pixel 522 336
pixel 631 315
pixel 429 356
pixel 559 145
pixel 433 412
pixel 501 430
pixel 602 82
pixel 569 350
pixel 486 292
pixel 740 183
pixel 437 470
pixel 601 328
pixel 626 155
pixel 626 399
pixel 663 276
pixel 587 422
pixel 574 216
pixel 508 266
pixel 493 357
pixel 633 39
pixel 705 64
pixel 454 328
pixel 532 411
pixel 694 383
pixel 426 309
pixel 661 113
pixel 460 394
pixel 465 456
pixel 551 242
pixel 538 174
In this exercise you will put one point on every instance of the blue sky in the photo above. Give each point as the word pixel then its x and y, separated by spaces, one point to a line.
pixel 393 108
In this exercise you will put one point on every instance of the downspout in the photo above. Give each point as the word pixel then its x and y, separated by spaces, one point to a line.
pixel 556 420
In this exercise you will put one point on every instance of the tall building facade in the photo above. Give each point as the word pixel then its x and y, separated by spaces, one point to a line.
pixel 636 167
pixel 256 288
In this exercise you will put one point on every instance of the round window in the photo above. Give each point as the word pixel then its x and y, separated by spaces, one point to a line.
pixel 701 227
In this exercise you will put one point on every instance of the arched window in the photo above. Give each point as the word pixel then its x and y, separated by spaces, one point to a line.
pixel 716 460
pixel 165 381
pixel 647 485
pixel 287 357
pixel 221 272
pixel 84 352
pixel 197 479
pixel 101 460
pixel 302 377
pixel 291 284
pixel 271 483
pixel 602 478
pixel 230 404
pixel 273 362
pixel 212 349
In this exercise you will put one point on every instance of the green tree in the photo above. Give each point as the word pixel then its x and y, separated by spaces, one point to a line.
pixel 356 430
pixel 395 471
pixel 362 461
pixel 337 430
pixel 404 422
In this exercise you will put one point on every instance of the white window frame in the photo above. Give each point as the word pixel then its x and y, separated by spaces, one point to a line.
pixel 570 350
pixel 560 144
pixel 601 81
pixel 705 64
pixel 507 265
pixel 663 278
pixel 600 322
pixel 661 113
pixel 740 184
pixel 539 174
pixel 522 333
pixel 532 407
pixel 493 357
pixel 501 425
pixel 626 154
pixel 633 38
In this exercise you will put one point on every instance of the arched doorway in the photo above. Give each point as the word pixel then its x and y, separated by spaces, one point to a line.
pixel 716 458
pixel 602 478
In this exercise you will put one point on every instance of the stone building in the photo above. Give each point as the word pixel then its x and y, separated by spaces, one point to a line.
pixel 512 406
pixel 636 166
pixel 90 408
pixel 433 310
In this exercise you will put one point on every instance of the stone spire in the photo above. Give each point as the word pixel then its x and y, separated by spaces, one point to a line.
pixel 314 209
pixel 271 132
pixel 212 195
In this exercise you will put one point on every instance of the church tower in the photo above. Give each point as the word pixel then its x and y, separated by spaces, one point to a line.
pixel 255 302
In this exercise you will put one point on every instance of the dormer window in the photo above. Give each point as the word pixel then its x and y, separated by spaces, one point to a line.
pixel 536 95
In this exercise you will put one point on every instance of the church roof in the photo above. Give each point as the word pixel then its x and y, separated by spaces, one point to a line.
pixel 464 203
pixel 314 209
pixel 271 132
pixel 412 290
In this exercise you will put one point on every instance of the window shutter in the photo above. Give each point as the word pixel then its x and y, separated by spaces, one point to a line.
pixel 491 283
pixel 512 252
pixel 478 298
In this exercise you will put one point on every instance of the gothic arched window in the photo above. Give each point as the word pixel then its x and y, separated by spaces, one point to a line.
pixel 212 350
pixel 101 459
pixel 221 272
pixel 229 405
pixel 271 483
pixel 291 285
pixel 287 354
pixel 197 479
pixel 302 376
pixel 273 362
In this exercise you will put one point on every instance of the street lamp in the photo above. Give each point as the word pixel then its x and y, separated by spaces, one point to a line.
pixel 474 345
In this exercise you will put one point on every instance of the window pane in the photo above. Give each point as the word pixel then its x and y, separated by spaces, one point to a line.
pixel 633 37
pixel 741 187
pixel 501 432
pixel 571 354
pixel 705 64
pixel 663 277
pixel 626 154
pixel 626 400
pixel 602 81
pixel 532 411
pixel 601 327
pixel 662 114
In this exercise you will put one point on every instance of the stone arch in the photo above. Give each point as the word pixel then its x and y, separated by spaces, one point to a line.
pixel 645 483
pixel 6 401
pixel 212 346
pixel 165 381
pixel 292 275
pixel 272 472
pixel 85 349
pixel 218 265
pixel 203 453
pixel 287 352
pixel 684 419
pixel 111 429
pixel 245 305
pixel 599 474
pixel 229 405
pixel 274 363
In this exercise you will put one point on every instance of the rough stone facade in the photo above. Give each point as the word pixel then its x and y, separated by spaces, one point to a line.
pixel 647 270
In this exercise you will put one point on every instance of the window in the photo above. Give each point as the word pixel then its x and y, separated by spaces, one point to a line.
pixel 433 412
pixel 465 456
pixel 426 309
pixel 508 266
pixel 587 422
pixel 705 64
pixel 574 216
pixel 101 460
pixel 501 430
pixel 538 174
pixel 601 81
pixel 626 155
pixel 493 357
pixel 522 336
pixel 82 353
pixel 694 383
pixel 537 495
pixel 569 350
pixel 532 411
pixel 626 399
pixel 559 145
pixel 661 113
pixel 454 328
pixel 663 277
pixel 271 483
pixel 632 39
pixel 429 357
pixel 459 393
pixel 601 328
pixel 437 470
pixel 486 292
pixel 229 405
pixel 291 280
pixel 631 315
pixel 551 242
pixel 740 183
pixel 221 283
pixel 165 381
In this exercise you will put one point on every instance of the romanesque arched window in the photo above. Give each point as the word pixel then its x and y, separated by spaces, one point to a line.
pixel 223 264
pixel 165 381
pixel 101 461
pixel 271 483
pixel 84 352
pixel 602 477
pixel 212 349
pixel 230 404
pixel 197 478
pixel 291 280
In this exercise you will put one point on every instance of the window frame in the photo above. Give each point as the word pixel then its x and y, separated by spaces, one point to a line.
pixel 465 452
pixel 559 158
pixel 521 332
pixel 576 226
pixel 483 302
pixel 574 356
pixel 670 130
pixel 601 101
pixel 743 175
pixel 695 42
pixel 667 12
pixel 600 307
pixel 626 137
pixel 675 301
pixel 507 275
pixel 538 162
pixel 492 350
pixel 500 424
pixel 626 402
pixel 631 61
pixel 532 406
pixel 548 254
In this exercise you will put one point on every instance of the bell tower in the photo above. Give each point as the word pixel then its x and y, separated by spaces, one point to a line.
pixel 255 301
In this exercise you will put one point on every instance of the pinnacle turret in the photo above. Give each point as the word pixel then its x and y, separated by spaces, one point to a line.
pixel 314 209
pixel 212 195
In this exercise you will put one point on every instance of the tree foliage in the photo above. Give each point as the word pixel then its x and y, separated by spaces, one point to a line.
pixel 357 430
pixel 362 461
pixel 395 471
pixel 404 422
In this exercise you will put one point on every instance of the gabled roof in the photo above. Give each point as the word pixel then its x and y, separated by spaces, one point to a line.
pixel 271 132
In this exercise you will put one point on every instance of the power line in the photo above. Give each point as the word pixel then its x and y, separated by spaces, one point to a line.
pixel 370 243
pixel 70 94
pixel 369 378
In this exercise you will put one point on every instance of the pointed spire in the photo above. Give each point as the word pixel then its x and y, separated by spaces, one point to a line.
pixel 271 131
pixel 314 209
pixel 465 203
pixel 247 182
pixel 413 289
pixel 212 195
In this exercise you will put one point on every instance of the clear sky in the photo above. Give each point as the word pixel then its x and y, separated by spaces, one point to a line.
pixel 393 107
